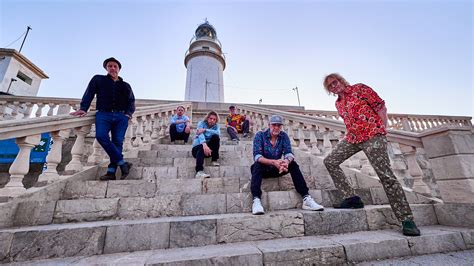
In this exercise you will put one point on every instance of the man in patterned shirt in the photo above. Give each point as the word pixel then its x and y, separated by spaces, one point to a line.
pixel 236 123
pixel 365 117
pixel 268 148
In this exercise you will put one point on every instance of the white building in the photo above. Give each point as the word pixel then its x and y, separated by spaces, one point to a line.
pixel 18 75
pixel 205 65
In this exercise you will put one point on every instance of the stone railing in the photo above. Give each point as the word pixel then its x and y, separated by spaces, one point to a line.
pixel 405 122
pixel 318 136
pixel 17 107
pixel 148 124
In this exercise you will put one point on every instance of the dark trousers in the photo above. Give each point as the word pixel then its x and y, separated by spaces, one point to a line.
pixel 198 152
pixel 245 129
pixel 260 171
pixel 175 135
pixel 116 123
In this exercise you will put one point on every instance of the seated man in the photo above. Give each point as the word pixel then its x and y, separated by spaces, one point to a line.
pixel 206 143
pixel 235 124
pixel 268 148
pixel 179 126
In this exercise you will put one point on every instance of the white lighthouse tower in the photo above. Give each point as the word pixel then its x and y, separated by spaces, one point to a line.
pixel 205 65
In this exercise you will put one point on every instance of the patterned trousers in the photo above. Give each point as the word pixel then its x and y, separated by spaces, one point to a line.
pixel 376 151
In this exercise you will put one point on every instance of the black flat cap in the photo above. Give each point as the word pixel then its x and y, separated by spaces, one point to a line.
pixel 111 59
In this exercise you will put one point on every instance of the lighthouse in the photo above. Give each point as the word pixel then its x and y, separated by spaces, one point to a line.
pixel 205 64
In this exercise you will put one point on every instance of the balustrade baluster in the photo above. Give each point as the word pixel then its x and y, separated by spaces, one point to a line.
pixel 414 169
pixel 54 157
pixel 98 154
pixel 290 133
pixel 28 109
pixel 75 165
pixel 148 129
pixel 51 109
pixel 20 166
pixel 302 146
pixel 314 142
pixel 139 133
pixel 327 146
pixel 39 111
pixel 127 143
pixel 155 127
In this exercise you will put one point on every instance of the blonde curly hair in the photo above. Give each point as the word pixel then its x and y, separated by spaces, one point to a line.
pixel 334 76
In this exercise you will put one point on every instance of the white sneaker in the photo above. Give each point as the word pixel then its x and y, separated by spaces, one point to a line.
pixel 201 174
pixel 215 163
pixel 310 204
pixel 257 207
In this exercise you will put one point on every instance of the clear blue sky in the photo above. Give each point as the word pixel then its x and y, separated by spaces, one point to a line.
pixel 418 55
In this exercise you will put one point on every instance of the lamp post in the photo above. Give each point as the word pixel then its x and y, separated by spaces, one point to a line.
pixel 11 81
pixel 297 94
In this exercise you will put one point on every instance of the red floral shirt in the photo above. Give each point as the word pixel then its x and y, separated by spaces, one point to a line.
pixel 359 109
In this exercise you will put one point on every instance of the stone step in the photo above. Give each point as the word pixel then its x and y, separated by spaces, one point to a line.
pixel 187 147
pixel 465 257
pixel 145 244
pixel 188 154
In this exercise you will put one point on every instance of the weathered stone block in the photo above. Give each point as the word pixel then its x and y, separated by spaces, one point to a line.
pixel 455 214
pixel 185 172
pixel 85 210
pixel 136 208
pixel 424 214
pixel 365 181
pixel 131 188
pixel 453 167
pixel 179 186
pixel 135 237
pixel 34 213
pixel 449 143
pixel 363 246
pixel 136 172
pixel 322 178
pixel 85 189
pixel 157 161
pixel 29 245
pixel 379 197
pixel 193 233
pixel 7 214
pixel 268 184
pixel 268 226
pixel 331 221
pixel 159 172
pixel 456 191
pixel 220 185
pixel 148 154
pixel 283 200
pixel 241 202
pixel 286 183
pixel 381 217
pixel 234 171
pixel 299 251
pixel 204 204
pixel 433 240
pixel 5 243
pixel 230 254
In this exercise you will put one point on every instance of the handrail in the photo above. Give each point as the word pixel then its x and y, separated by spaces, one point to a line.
pixel 404 137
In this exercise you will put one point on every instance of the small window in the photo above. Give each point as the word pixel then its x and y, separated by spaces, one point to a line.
pixel 205 48
pixel 24 77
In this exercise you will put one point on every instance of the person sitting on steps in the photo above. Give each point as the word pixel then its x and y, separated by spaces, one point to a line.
pixel 236 123
pixel 206 143
pixel 179 126
pixel 268 148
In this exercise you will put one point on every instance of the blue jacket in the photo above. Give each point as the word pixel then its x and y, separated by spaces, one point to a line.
pixel 206 135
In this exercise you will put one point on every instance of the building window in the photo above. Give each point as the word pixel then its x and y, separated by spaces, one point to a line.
pixel 205 48
pixel 24 77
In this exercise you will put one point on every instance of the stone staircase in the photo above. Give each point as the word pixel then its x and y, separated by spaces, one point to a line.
pixel 163 215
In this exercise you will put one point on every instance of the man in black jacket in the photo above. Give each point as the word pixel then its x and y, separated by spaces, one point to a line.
pixel 115 106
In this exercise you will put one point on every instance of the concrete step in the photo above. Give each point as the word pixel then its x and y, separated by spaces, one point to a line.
pixel 465 257
pixel 141 244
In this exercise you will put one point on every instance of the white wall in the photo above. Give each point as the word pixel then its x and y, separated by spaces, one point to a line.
pixel 199 69
pixel 19 88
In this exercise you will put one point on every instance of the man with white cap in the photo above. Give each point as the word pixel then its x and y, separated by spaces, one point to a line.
pixel 268 148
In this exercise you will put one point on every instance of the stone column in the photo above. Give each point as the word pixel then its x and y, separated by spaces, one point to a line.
pixel 54 157
pixel 75 165
pixel 20 166
pixel 451 153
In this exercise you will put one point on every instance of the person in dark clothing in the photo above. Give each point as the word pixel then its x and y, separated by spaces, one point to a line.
pixel 115 107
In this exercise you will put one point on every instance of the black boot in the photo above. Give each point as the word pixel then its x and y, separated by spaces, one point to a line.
pixel 108 176
pixel 350 203
pixel 409 228
pixel 125 168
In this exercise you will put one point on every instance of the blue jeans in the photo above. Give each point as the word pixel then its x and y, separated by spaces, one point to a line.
pixel 116 123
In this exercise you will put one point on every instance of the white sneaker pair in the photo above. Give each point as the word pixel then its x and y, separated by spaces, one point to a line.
pixel 201 174
pixel 308 204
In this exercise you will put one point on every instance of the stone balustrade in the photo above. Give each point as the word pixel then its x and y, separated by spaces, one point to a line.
pixel 15 107
pixel 405 122
pixel 318 136
pixel 148 124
